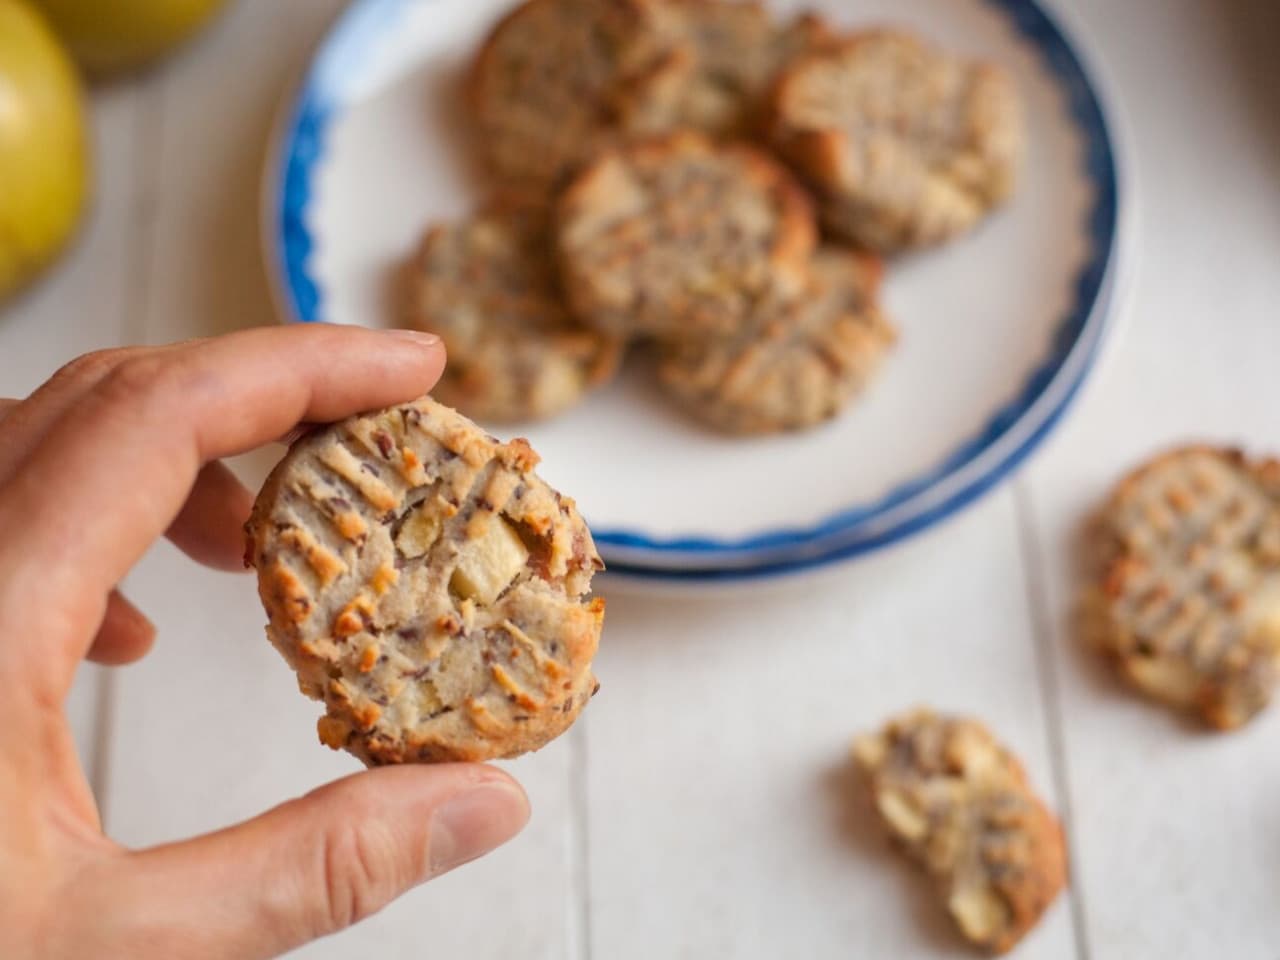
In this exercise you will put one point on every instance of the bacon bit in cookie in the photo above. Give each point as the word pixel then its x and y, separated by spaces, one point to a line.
pixel 383 579
pixel 476 451
pixel 517 693
pixel 339 693
pixel 333 732
pixel 384 442
pixel 1114 583
pixel 411 468
pixel 449 624
pixel 320 649
pixel 518 455
pixel 289 593
pixel 351 526
pixel 322 561
pixel 366 716
pixel 368 658
pixel 540 524
pixel 344 463
pixel 354 617
pixel 482 719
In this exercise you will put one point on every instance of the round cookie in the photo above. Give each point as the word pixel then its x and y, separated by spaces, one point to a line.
pixel 548 84
pixel 488 287
pixel 793 362
pixel 677 236
pixel 906 146
pixel 1188 598
pixel 723 56
pixel 427 586
pixel 959 804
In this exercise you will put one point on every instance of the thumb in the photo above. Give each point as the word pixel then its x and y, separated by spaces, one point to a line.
pixel 314 865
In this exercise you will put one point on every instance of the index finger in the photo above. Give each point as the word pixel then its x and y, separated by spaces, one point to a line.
pixel 112 473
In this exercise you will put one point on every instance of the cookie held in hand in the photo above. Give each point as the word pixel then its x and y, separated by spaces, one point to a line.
pixel 427 587
pixel 959 804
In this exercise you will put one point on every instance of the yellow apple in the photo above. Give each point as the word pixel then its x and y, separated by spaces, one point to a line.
pixel 111 35
pixel 44 156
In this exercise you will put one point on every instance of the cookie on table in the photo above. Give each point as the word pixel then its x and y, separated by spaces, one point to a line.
pixel 549 82
pixel 793 362
pixel 488 287
pixel 905 145
pixel 1188 597
pixel 723 55
pixel 676 236
pixel 959 804
pixel 427 587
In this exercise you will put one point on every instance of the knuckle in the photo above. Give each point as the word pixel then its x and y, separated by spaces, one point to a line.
pixel 361 874
pixel 91 367
pixel 138 380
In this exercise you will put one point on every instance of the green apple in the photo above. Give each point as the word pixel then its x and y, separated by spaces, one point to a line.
pixel 112 35
pixel 44 156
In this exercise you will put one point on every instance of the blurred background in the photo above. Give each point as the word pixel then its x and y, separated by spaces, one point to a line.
pixel 133 138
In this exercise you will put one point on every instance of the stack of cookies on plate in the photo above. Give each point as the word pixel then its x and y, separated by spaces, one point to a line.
pixel 710 181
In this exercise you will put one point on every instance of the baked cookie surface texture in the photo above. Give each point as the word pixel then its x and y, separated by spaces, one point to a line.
pixel 427 587
pixel 1187 601
pixel 548 85
pixel 959 804
pixel 676 236
pixel 720 58
pixel 794 362
pixel 906 146
pixel 488 287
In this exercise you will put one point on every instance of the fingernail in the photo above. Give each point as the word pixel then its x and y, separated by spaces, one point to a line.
pixel 420 337
pixel 475 821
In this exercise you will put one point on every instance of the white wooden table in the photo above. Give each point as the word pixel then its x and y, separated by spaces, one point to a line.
pixel 702 807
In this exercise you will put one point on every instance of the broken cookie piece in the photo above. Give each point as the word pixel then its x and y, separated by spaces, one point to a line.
pixel 428 587
pixel 960 805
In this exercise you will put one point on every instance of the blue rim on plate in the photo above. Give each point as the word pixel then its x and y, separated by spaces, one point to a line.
pixel 976 465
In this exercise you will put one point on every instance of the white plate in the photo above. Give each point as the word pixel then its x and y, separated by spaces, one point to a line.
pixel 998 329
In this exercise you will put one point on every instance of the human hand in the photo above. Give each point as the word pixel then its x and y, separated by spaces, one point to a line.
pixel 115 450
